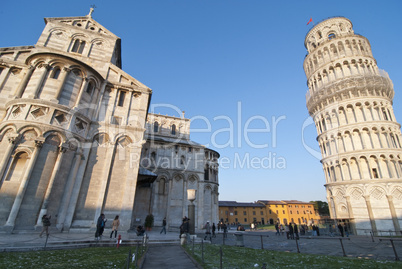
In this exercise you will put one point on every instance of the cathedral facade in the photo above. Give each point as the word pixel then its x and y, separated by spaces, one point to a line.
pixel 350 101
pixel 73 129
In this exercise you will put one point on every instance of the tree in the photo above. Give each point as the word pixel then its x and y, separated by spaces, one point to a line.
pixel 321 207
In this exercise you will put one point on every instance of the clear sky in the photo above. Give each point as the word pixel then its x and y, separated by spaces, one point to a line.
pixel 232 65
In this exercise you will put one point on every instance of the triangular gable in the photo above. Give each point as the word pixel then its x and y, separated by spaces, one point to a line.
pixel 85 22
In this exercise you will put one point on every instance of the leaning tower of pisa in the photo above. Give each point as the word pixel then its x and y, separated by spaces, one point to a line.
pixel 350 101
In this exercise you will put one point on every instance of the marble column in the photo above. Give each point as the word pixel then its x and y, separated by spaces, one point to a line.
pixel 43 211
pixel 394 215
pixel 371 215
pixel 68 191
pixel 64 75
pixel 109 158
pixel 77 187
pixel 43 76
pixel 83 88
pixel 12 139
pixel 24 183
pixel 24 82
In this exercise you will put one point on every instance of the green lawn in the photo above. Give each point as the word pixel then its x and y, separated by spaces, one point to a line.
pixel 242 258
pixel 96 258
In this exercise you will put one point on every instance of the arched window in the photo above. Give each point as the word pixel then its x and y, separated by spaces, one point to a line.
pixel 78 46
pixel 122 97
pixel 16 167
pixel 206 172
pixel 161 187
pixel 173 129
pixel 90 88
pixel 182 159
pixel 331 36
pixel 156 127
pixel 55 73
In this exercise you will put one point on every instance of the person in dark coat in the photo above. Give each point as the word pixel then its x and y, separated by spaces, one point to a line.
pixel 296 231
pixel 163 226
pixel 46 224
pixel 213 229
pixel 100 226
pixel 291 231
pixel 340 229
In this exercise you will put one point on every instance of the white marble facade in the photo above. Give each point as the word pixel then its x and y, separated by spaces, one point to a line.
pixel 350 101
pixel 72 131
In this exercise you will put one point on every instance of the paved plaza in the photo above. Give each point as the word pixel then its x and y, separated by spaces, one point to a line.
pixel 164 248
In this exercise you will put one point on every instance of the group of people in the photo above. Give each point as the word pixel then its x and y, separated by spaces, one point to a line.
pixel 292 230
pixel 100 226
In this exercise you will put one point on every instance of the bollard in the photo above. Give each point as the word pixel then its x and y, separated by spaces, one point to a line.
pixel 202 251
pixel 393 247
pixel 343 249
pixel 128 259
pixel 297 245
pixel 262 243
pixel 239 239
pixel 118 241
pixel 183 239
pixel 47 237
pixel 220 258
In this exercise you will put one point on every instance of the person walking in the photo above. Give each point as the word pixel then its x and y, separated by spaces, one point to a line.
pixel 287 231
pixel 296 231
pixel 345 228
pixel 340 229
pixel 213 229
pixel 225 230
pixel 115 226
pixel 277 229
pixel 163 226
pixel 46 224
pixel 207 231
pixel 291 231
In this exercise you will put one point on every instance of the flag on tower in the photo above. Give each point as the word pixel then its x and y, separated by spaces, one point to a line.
pixel 311 20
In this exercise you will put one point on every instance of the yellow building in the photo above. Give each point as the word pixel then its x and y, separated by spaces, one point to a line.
pixel 242 213
pixel 268 212
pixel 288 211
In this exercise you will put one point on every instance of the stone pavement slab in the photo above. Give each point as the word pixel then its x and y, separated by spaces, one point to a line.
pixel 163 256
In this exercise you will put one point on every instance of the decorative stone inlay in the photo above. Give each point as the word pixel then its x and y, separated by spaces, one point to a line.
pixel 377 193
pixel 80 125
pixel 60 118
pixel 339 195
pixel 397 193
pixel 16 111
pixel 356 194
pixel 38 111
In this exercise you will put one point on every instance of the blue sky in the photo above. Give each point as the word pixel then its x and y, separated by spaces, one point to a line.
pixel 218 59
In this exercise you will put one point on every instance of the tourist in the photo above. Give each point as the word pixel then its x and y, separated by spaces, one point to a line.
pixel 213 229
pixel 163 226
pixel 207 228
pixel 296 231
pixel 140 230
pixel 46 224
pixel 277 229
pixel 291 231
pixel 115 226
pixel 100 226
pixel 225 230
pixel 345 228
pixel 340 229
pixel 287 231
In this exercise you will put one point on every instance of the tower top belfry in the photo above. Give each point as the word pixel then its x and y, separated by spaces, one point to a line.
pixel 327 30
